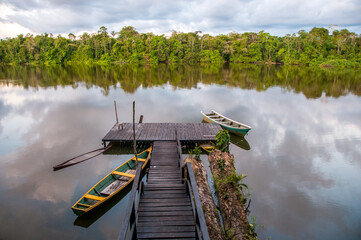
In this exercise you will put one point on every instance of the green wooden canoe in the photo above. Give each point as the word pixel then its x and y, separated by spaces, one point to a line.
pixel 111 184
pixel 226 123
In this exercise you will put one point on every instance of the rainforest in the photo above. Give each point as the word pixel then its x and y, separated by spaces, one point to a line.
pixel 319 47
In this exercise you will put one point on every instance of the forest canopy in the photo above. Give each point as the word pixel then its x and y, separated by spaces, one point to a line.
pixel 318 47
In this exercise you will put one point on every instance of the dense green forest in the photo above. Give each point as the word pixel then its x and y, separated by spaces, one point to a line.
pixel 317 47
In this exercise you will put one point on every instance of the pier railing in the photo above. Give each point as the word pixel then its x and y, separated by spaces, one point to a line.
pixel 192 189
pixel 128 229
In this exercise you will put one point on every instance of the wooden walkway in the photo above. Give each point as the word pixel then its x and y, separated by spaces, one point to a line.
pixel 165 209
pixel 163 132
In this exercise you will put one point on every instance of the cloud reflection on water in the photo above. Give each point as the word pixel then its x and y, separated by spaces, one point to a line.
pixel 294 145
pixel 287 184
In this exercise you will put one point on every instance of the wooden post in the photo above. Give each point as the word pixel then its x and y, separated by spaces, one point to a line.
pixel 134 141
pixel 116 112
pixel 141 119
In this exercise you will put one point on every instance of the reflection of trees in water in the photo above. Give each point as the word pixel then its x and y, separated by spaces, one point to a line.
pixel 311 82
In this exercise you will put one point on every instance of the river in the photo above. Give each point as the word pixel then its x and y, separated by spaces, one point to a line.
pixel 302 157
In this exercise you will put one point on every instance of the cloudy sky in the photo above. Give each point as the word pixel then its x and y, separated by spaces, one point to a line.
pixel 277 17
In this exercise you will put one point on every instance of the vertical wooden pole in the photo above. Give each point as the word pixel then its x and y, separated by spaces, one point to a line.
pixel 116 112
pixel 141 119
pixel 134 141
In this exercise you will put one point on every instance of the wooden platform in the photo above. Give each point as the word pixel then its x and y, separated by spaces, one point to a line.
pixel 165 209
pixel 163 132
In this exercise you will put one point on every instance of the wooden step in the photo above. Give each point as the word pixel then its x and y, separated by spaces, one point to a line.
pixel 165 209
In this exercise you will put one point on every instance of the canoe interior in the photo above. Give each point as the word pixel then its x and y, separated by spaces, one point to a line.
pixel 109 185
pixel 214 117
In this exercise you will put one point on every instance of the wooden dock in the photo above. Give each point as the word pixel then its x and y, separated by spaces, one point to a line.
pixel 165 209
pixel 168 205
pixel 192 132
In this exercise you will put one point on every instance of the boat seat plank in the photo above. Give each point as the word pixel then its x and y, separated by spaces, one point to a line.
pixel 123 174
pixel 97 198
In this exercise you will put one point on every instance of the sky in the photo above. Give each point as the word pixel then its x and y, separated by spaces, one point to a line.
pixel 277 17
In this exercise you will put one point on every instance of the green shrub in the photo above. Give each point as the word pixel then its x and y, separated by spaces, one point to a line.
pixel 222 140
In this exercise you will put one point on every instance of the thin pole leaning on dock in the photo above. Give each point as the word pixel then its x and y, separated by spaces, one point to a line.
pixel 134 141
pixel 116 112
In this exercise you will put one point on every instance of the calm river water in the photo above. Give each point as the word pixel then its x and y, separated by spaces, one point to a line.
pixel 302 156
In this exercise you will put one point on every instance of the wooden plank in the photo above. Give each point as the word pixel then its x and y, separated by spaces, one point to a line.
pixel 165 229
pixel 159 180
pixel 164 131
pixel 165 195
pixel 152 132
pixel 173 191
pixel 184 198
pixel 159 130
pixel 165 218
pixel 163 188
pixel 129 131
pixel 139 133
pixel 165 181
pixel 166 172
pixel 165 163
pixel 160 170
pixel 146 133
pixel 97 198
pixel 198 204
pixel 164 204
pixel 167 235
pixel 165 214
pixel 169 175
pixel 165 185
pixel 166 223
pixel 164 167
pixel 163 208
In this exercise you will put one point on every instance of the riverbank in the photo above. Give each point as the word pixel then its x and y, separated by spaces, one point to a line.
pixel 231 198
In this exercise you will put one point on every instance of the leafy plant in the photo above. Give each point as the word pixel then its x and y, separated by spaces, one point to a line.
pixel 196 151
pixel 230 234
pixel 237 181
pixel 221 163
pixel 252 229
pixel 222 140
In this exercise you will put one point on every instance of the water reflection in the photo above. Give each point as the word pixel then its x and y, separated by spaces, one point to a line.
pixel 240 141
pixel 311 82
pixel 302 156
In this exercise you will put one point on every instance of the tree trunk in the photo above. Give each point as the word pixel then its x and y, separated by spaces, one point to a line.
pixel 230 199
pixel 209 208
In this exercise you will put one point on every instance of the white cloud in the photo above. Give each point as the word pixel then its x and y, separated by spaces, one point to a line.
pixel 215 17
